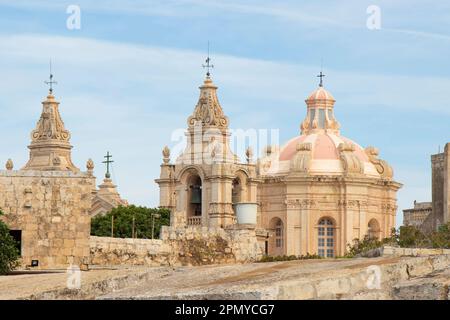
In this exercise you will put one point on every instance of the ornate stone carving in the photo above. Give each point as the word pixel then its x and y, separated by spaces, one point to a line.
pixel 208 110
pixel 220 208
pixel 383 168
pixel 350 161
pixel 9 165
pixel 249 154
pixel 50 149
pixel 301 161
pixel 50 125
pixel 305 125
pixel 166 154
pixel 90 165
pixel 300 204
pixel 352 204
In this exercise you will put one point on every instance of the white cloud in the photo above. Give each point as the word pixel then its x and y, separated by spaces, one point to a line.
pixel 128 98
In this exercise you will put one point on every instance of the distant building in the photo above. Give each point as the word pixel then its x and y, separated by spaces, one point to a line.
pixel 428 216
pixel 106 198
pixel 417 216
pixel 440 166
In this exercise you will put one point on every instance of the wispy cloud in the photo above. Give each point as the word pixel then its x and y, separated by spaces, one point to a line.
pixel 125 97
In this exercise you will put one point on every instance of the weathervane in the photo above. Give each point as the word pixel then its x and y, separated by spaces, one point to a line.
pixel 51 82
pixel 108 162
pixel 208 64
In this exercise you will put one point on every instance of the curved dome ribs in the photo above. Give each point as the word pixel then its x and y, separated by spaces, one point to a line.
pixel 321 150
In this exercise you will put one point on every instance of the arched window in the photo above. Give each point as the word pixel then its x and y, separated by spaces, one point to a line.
pixel 374 229
pixel 326 238
pixel 194 196
pixel 236 191
pixel 276 240
pixel 279 234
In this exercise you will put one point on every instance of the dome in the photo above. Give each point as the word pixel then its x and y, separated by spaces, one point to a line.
pixel 321 149
pixel 325 154
pixel 320 94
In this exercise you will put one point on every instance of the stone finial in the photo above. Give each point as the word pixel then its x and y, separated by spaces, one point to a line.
pixel 90 165
pixel 166 154
pixel 9 165
pixel 249 154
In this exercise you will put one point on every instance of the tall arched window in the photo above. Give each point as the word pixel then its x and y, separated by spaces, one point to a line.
pixel 374 229
pixel 276 242
pixel 326 238
pixel 279 234
pixel 194 199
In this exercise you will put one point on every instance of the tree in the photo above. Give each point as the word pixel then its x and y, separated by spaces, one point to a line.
pixel 9 254
pixel 123 222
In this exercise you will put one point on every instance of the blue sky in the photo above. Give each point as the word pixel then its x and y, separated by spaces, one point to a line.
pixel 129 77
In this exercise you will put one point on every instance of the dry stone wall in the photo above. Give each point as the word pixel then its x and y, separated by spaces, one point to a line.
pixel 179 246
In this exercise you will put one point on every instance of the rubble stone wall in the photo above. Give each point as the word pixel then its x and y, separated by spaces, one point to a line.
pixel 179 246
pixel 51 209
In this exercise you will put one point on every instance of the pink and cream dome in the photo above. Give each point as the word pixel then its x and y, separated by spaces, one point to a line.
pixel 321 150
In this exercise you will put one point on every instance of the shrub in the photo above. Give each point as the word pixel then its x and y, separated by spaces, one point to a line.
pixel 9 254
pixel 289 258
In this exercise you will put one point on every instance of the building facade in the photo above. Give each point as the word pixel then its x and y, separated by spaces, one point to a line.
pixel 316 194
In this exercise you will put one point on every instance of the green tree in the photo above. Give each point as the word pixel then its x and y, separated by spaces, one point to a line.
pixel 123 222
pixel 9 254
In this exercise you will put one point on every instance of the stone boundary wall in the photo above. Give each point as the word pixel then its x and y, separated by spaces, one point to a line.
pixel 179 246
pixel 395 251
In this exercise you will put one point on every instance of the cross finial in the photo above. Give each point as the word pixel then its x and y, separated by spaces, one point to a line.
pixel 51 82
pixel 321 75
pixel 108 161
pixel 208 64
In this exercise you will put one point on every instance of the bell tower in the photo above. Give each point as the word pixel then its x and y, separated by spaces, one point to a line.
pixel 201 185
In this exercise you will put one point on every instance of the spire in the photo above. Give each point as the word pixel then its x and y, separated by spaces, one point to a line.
pixel 208 109
pixel 50 147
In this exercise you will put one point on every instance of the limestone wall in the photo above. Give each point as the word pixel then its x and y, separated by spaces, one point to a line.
pixel 51 209
pixel 186 246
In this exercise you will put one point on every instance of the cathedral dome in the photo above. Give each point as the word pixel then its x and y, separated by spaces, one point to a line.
pixel 319 94
pixel 325 153
pixel 320 149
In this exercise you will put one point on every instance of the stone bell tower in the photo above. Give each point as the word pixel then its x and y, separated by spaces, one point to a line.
pixel 207 179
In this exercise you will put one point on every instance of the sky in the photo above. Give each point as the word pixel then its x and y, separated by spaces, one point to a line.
pixel 128 77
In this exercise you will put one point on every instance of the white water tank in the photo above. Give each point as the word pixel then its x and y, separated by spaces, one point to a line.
pixel 246 212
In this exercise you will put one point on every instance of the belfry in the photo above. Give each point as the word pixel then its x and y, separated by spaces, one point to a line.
pixel 207 179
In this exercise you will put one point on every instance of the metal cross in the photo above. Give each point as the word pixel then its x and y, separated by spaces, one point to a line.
pixel 321 75
pixel 107 162
pixel 208 64
pixel 51 82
